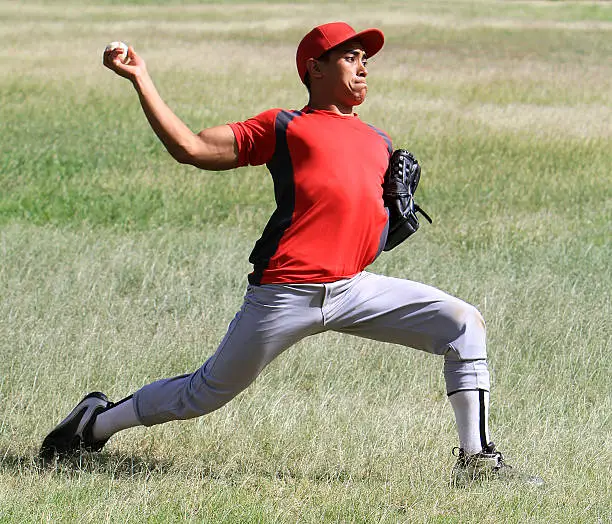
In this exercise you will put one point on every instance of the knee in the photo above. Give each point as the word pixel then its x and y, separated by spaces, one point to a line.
pixel 464 329
pixel 461 317
pixel 471 318
pixel 474 324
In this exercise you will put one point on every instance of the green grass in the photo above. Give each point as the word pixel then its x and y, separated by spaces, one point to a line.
pixel 118 266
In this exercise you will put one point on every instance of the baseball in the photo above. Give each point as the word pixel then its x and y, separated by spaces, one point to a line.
pixel 123 55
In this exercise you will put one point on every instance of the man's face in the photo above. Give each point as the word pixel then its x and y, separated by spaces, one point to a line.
pixel 344 73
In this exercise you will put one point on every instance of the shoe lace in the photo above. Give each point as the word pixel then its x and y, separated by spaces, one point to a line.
pixel 501 463
pixel 489 449
pixel 461 455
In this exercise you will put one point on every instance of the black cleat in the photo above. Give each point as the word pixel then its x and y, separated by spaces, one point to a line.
pixel 74 433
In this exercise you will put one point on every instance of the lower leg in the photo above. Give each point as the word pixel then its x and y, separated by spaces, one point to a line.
pixel 177 398
pixel 120 416
pixel 467 385
pixel 471 410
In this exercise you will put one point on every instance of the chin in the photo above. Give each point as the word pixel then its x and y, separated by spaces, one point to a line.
pixel 359 97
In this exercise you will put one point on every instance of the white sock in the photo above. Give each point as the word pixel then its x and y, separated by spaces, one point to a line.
pixel 471 415
pixel 119 417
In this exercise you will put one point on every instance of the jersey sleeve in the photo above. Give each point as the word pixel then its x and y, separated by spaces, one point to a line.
pixel 256 138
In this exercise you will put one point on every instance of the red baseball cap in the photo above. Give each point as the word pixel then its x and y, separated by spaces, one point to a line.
pixel 324 37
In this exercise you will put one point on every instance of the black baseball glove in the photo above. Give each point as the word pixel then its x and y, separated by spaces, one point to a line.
pixel 401 180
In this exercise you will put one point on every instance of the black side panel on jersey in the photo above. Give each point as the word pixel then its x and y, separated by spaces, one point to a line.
pixel 281 169
pixel 384 137
pixel 385 232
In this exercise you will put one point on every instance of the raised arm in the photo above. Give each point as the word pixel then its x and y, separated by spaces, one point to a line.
pixel 213 149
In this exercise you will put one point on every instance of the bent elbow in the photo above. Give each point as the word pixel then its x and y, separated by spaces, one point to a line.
pixel 183 157
pixel 184 154
pixel 207 163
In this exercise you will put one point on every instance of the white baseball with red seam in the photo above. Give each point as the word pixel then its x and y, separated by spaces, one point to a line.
pixel 123 54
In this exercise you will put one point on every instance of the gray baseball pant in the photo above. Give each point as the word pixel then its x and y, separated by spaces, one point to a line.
pixel 275 316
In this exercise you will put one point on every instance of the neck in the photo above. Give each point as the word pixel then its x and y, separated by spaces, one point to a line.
pixel 339 109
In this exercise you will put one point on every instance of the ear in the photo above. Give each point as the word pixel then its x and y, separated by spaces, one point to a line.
pixel 313 68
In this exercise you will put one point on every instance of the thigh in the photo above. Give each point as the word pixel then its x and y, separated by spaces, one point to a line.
pixel 272 318
pixel 411 314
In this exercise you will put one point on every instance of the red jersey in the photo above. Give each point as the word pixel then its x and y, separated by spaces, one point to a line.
pixel 330 221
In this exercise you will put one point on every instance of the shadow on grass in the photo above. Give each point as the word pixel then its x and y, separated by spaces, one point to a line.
pixel 118 465
pixel 121 466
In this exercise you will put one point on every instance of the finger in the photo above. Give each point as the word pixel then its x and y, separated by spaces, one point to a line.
pixel 110 55
pixel 112 62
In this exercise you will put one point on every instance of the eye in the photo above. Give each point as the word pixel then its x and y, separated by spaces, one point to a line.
pixel 349 58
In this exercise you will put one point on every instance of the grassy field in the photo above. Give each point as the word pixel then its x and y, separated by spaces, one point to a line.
pixel 118 266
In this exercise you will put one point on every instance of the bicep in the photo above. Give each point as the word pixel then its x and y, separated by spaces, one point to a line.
pixel 216 149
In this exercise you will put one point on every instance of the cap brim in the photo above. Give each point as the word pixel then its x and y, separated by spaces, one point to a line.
pixel 372 40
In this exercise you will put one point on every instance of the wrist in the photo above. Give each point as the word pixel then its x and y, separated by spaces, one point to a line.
pixel 140 79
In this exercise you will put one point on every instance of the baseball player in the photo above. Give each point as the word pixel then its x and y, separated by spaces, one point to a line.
pixel 309 265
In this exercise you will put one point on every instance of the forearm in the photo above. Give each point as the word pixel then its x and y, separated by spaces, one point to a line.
pixel 177 138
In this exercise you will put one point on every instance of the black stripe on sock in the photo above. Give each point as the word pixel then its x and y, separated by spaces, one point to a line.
pixel 483 419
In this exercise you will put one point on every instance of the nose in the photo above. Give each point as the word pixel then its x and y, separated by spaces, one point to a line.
pixel 362 70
